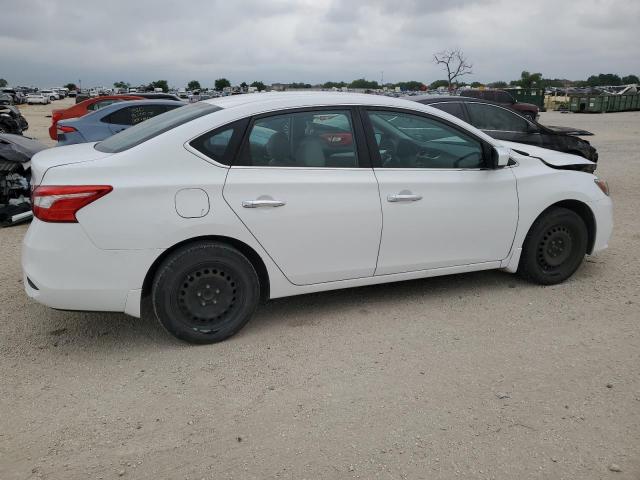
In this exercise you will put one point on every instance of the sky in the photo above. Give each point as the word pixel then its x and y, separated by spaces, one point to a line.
pixel 53 42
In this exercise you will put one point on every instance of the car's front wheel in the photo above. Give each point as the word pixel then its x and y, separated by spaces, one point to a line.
pixel 205 292
pixel 554 247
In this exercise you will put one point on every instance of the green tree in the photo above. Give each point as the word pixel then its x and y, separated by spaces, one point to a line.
pixel 299 85
pixel 366 84
pixel 193 85
pixel 221 83
pixel 498 84
pixel 259 85
pixel 71 86
pixel 610 79
pixel 438 84
pixel 411 85
pixel 529 80
pixel 334 85
pixel 477 85
pixel 630 79
pixel 159 84
pixel 122 85
pixel 3 83
pixel 243 85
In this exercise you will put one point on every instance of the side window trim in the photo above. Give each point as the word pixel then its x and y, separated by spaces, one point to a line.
pixel 240 129
pixel 376 160
pixel 362 151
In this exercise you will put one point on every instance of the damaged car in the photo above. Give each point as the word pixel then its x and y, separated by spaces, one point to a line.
pixel 503 123
pixel 15 176
pixel 11 120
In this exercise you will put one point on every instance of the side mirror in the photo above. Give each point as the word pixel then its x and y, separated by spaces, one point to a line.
pixel 500 156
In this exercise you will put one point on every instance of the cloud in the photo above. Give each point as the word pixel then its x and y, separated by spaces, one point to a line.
pixel 48 43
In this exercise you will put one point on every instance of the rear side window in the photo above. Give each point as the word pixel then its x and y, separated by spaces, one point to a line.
pixel 454 108
pixel 100 104
pixel 504 97
pixel 221 144
pixel 492 117
pixel 155 126
pixel 135 114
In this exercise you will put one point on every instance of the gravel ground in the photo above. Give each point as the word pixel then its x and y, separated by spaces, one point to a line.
pixel 473 376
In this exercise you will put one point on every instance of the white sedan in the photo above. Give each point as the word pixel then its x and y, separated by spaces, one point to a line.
pixel 38 98
pixel 217 205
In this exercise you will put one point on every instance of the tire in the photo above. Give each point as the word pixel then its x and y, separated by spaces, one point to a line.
pixel 205 292
pixel 554 247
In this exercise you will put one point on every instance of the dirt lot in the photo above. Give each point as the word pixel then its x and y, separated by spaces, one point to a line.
pixel 472 376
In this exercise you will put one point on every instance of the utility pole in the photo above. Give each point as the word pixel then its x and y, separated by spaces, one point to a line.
pixel 381 78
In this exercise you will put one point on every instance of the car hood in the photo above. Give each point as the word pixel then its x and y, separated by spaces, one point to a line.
pixel 569 130
pixel 65 155
pixel 551 158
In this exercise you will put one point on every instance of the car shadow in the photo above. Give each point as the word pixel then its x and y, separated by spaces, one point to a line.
pixel 114 333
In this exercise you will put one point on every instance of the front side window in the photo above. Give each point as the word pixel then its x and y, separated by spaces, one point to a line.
pixel 491 117
pixel 453 108
pixel 302 139
pixel 155 126
pixel 412 141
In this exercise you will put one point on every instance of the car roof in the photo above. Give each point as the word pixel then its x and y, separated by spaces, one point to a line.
pixel 275 100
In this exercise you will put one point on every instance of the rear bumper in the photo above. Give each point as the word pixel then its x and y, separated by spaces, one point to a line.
pixel 63 269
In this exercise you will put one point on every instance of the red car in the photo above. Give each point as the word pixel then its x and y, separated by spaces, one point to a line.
pixel 84 107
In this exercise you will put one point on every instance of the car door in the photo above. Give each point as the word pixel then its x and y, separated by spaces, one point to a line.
pixel 304 188
pixel 503 124
pixel 441 204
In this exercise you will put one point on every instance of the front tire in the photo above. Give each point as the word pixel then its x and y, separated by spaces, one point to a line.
pixel 554 247
pixel 205 292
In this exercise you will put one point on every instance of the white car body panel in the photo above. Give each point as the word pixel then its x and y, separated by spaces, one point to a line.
pixel 337 229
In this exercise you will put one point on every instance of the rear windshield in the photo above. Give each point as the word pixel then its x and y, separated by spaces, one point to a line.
pixel 154 126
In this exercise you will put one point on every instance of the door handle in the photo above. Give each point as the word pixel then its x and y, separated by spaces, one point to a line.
pixel 262 203
pixel 404 197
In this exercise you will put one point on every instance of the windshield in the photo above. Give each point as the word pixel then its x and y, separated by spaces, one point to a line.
pixel 154 126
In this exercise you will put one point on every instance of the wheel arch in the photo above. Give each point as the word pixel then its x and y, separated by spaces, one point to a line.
pixel 246 250
pixel 583 211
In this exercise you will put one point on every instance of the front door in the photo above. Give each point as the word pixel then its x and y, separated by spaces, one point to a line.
pixel 304 188
pixel 441 206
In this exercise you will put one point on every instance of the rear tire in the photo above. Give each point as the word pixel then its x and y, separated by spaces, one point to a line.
pixel 205 292
pixel 554 247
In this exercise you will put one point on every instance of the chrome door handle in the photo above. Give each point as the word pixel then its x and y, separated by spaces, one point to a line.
pixel 262 203
pixel 402 197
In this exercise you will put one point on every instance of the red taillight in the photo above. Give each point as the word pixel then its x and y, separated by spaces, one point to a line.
pixel 65 129
pixel 61 203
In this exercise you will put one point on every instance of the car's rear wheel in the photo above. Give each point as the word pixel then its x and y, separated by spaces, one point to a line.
pixel 554 247
pixel 205 292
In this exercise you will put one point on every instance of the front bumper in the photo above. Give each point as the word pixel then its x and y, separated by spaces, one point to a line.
pixel 63 269
pixel 603 213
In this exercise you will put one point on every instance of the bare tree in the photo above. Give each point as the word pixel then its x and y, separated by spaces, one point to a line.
pixel 454 62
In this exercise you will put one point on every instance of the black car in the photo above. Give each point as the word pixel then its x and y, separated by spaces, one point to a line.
pixel 11 120
pixel 502 123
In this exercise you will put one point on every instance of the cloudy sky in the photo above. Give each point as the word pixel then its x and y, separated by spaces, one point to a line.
pixel 52 42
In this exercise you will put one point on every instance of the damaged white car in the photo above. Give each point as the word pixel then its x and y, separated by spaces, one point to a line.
pixel 214 206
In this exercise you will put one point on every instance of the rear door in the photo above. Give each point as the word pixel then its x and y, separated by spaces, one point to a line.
pixel 501 123
pixel 303 186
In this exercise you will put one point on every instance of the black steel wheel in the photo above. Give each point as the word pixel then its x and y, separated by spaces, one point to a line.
pixel 554 247
pixel 205 292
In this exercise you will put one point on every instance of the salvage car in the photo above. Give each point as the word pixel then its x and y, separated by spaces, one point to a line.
pixel 111 119
pixel 16 152
pixel 6 99
pixel 194 209
pixel 38 97
pixel 501 97
pixel 503 123
pixel 11 120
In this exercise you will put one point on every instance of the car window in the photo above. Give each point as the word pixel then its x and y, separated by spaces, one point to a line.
pixel 100 104
pixel 156 126
pixel 454 108
pixel 219 144
pixel 412 141
pixel 302 139
pixel 492 117
pixel 503 97
pixel 134 114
